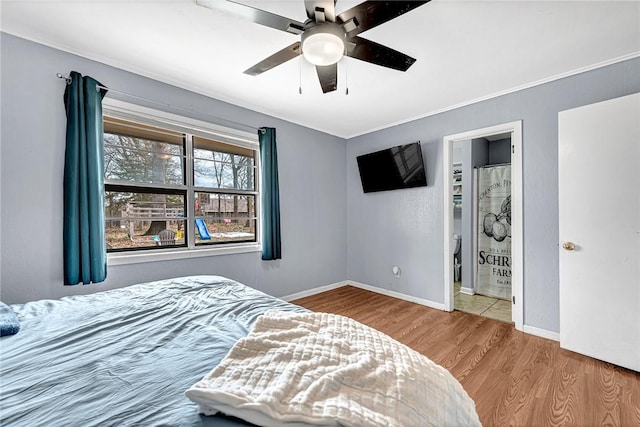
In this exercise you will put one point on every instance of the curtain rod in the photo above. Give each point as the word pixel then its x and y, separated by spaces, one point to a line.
pixel 164 104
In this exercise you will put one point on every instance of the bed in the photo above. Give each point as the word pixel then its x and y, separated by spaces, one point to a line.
pixel 126 356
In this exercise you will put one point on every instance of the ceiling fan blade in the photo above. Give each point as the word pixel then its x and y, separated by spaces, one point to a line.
pixel 328 76
pixel 375 53
pixel 321 10
pixel 258 16
pixel 274 60
pixel 370 14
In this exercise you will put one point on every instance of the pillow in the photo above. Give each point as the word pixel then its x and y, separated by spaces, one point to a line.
pixel 9 323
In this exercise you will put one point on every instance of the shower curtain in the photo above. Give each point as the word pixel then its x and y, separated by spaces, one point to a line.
pixel 494 231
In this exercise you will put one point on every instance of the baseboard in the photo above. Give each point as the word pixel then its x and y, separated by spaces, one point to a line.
pixel 555 336
pixel 394 294
pixel 314 291
pixel 467 291
pixel 364 286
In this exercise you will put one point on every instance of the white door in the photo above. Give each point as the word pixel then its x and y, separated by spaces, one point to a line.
pixel 599 219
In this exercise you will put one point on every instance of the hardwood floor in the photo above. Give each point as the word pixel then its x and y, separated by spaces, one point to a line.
pixel 516 379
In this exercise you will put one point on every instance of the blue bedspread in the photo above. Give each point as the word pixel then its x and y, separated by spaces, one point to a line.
pixel 124 357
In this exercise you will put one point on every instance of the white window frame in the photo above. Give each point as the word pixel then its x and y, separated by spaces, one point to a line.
pixel 149 116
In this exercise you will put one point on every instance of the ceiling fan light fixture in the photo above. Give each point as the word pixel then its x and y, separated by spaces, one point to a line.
pixel 322 47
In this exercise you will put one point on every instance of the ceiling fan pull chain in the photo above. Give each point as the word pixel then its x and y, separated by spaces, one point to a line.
pixel 346 77
pixel 300 75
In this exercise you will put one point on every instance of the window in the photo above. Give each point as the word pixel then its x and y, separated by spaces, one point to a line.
pixel 170 184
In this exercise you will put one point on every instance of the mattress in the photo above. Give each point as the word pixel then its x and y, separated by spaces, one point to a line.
pixel 124 357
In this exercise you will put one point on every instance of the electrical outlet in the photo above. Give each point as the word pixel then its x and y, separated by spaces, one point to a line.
pixel 396 271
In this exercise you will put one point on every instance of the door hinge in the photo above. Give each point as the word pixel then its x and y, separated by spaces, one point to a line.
pixel 513 149
pixel 513 298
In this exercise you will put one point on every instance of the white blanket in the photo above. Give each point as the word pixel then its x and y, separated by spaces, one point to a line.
pixel 329 370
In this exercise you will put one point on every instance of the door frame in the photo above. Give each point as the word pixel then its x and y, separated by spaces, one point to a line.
pixel 517 270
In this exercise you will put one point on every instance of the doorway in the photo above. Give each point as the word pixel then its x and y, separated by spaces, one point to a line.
pixel 454 270
pixel 482 226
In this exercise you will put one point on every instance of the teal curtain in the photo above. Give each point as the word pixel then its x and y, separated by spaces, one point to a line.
pixel 270 195
pixel 85 248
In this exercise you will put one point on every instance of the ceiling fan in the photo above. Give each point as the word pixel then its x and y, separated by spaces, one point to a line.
pixel 327 37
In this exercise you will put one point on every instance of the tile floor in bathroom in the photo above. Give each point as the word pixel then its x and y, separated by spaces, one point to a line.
pixel 492 308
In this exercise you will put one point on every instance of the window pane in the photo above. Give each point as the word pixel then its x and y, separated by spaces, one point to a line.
pixel 218 165
pixel 133 159
pixel 138 220
pixel 224 218
pixel 146 186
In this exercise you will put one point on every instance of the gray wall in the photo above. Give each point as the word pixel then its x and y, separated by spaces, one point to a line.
pixel 405 227
pixel 312 191
pixel 500 151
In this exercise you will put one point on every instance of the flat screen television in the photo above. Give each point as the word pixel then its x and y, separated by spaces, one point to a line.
pixel 393 168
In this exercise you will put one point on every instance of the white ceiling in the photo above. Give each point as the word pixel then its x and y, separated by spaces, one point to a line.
pixel 465 50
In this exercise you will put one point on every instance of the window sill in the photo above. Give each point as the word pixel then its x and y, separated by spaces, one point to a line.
pixel 181 253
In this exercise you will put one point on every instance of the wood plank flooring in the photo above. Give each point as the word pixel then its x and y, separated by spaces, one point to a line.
pixel 516 379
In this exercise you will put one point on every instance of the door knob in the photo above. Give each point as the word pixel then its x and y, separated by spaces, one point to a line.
pixel 568 246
